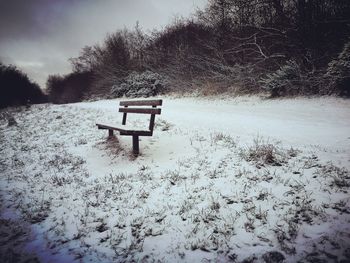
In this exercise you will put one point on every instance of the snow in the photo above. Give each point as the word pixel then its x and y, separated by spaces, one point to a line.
pixel 203 187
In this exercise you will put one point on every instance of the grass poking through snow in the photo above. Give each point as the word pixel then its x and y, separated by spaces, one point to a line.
pixel 222 200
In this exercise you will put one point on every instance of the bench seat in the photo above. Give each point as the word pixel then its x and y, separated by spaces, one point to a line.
pixel 124 131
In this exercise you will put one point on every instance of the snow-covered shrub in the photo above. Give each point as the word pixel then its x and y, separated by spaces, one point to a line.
pixel 11 121
pixel 143 84
pixel 338 72
pixel 7 116
pixel 285 81
pixel 264 153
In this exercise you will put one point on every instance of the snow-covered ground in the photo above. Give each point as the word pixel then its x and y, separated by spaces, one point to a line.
pixel 227 179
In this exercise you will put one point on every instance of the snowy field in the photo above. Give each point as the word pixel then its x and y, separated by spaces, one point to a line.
pixel 240 179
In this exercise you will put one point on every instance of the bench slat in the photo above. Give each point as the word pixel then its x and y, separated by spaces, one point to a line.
pixel 138 133
pixel 123 131
pixel 104 127
pixel 141 103
pixel 140 110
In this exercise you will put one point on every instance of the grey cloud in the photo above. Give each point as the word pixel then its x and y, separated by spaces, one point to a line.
pixel 20 19
pixel 48 32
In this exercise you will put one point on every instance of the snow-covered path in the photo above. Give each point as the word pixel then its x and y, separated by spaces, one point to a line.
pixel 318 122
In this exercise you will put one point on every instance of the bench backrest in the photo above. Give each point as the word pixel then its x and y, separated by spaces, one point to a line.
pixel 129 107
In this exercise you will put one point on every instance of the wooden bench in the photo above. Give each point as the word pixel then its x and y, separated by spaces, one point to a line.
pixel 125 109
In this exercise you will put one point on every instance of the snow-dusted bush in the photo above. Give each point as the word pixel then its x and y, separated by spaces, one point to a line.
pixel 7 116
pixel 339 72
pixel 143 84
pixel 264 153
pixel 285 81
pixel 11 121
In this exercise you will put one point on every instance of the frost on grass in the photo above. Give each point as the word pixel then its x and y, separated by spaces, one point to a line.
pixel 222 200
pixel 163 125
pixel 262 153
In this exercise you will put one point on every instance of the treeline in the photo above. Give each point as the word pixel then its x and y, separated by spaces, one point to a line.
pixel 284 47
pixel 17 89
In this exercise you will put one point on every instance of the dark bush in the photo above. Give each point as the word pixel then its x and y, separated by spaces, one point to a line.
pixel 17 89
pixel 105 64
pixel 68 88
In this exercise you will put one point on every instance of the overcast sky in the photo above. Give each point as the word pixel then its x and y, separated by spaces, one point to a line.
pixel 39 36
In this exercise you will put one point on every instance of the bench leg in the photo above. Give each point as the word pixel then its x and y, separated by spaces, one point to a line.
pixel 135 144
pixel 110 133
